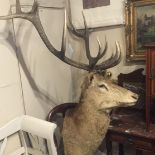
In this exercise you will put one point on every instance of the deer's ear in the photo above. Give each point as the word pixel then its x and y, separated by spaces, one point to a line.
pixel 91 77
pixel 87 81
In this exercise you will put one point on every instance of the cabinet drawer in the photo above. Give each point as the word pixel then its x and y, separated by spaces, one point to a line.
pixel 118 138
pixel 152 73
pixel 136 141
pixel 143 144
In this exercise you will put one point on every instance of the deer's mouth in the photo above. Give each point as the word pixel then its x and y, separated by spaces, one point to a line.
pixel 127 104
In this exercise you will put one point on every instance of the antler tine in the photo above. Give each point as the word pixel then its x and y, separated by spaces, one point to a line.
pixel 116 58
pixel 18 7
pixel 92 60
pixel 86 39
pixel 63 46
pixel 101 54
pixel 112 61
pixel 119 56
pixel 71 28
pixel 33 17
pixel 34 7
pixel 20 14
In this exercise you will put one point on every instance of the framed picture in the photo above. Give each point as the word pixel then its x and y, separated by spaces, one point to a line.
pixel 101 13
pixel 140 27
pixel 95 3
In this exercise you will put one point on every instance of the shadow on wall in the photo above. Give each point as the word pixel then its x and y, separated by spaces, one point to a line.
pixel 39 93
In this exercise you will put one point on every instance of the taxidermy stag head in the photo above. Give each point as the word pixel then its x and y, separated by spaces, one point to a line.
pixel 85 127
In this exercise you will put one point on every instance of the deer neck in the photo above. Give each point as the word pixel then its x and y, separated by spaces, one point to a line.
pixel 87 109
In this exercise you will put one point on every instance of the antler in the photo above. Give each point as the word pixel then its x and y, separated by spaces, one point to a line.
pixel 84 34
pixel 33 17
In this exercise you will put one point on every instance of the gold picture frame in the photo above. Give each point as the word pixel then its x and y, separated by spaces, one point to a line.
pixel 140 27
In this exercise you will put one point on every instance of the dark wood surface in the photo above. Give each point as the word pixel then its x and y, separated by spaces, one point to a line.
pixel 150 82
pixel 132 125
pixel 135 76
pixel 57 115
pixel 62 108
pixel 152 75
pixel 131 129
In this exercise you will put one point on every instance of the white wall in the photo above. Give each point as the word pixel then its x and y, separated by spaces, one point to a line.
pixel 46 81
pixel 11 101
pixel 32 80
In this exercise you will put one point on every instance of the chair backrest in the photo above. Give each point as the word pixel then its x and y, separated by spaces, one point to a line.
pixel 135 76
pixel 60 109
pixel 30 125
pixel 57 115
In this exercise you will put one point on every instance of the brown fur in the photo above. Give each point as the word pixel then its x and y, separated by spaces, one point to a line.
pixel 85 127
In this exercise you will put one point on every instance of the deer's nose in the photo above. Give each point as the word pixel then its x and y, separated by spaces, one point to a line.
pixel 135 96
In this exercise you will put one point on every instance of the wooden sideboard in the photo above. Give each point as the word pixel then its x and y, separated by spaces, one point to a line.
pixel 131 129
pixel 137 128
pixel 150 82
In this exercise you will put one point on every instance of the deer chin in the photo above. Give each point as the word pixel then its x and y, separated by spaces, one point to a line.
pixel 107 110
pixel 127 104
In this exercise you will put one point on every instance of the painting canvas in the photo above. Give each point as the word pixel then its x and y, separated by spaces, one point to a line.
pixel 145 25
pixel 140 28
pixel 95 3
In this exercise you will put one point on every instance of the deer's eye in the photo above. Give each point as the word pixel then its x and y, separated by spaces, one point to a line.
pixel 103 86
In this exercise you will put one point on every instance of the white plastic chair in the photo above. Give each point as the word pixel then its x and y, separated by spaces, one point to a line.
pixel 30 125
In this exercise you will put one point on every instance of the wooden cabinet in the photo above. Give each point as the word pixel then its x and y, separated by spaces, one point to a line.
pixel 150 81
pixel 131 130
pixel 152 67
